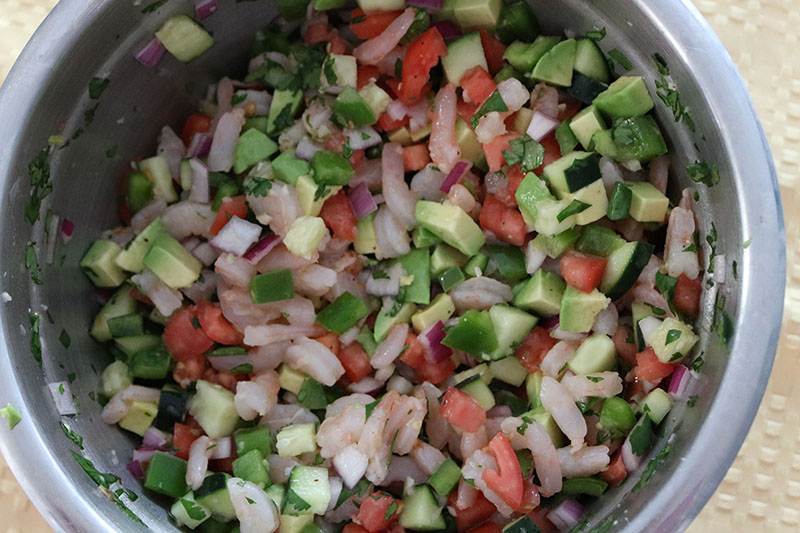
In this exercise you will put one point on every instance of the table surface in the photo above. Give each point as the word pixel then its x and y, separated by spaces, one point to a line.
pixel 761 492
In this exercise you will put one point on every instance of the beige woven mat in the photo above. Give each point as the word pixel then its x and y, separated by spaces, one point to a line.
pixel 761 492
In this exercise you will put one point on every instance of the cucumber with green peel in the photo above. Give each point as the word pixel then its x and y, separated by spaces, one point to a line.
pixel 308 491
pixel 476 388
pixel 590 61
pixel 213 408
pixel 135 343
pixel 166 474
pixel 213 495
pixel 188 512
pixel 511 325
pixel 421 511
pixel 623 268
pixel 598 240
pixel 446 477
pixel 121 303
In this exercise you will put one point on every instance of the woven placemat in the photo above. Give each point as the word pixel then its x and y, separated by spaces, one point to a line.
pixel 761 492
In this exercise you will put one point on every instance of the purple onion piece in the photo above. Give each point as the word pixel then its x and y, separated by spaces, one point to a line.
pixel 151 54
pixel 135 468
pixel 680 384
pixel 459 169
pixel 205 8
pixel 541 126
pixel 431 338
pixel 566 514
pixel 447 29
pixel 362 201
pixel 260 249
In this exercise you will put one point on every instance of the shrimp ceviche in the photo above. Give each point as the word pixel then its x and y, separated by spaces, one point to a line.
pixel 416 269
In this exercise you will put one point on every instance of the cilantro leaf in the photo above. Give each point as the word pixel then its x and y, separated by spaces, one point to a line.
pixel 298 504
pixel 193 511
pixel 398 68
pixel 661 64
pixel 620 58
pixel 595 379
pixel 360 489
pixel 36 340
pixel 525 151
pixel 100 478
pixel 150 8
pixel 651 468
pixel 256 186
pixel 693 400
pixel 672 336
pixel 330 72
pixel 697 364
pixel 596 35
pixel 238 98
pixel 702 172
pixel 245 368
pixel 39 175
pixel 641 437
pixel 322 190
pixel 666 286
pixel 71 435
pixel 97 87
pixel 347 151
pixel 390 510
pixel 12 416
pixel 575 207
pixel 64 338
pixel 493 103
pixel 284 119
pixel 32 263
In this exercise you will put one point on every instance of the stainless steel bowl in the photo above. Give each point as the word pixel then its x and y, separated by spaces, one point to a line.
pixel 47 92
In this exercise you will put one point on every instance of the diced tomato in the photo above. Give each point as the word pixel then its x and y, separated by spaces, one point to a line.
pixel 124 213
pixel 488 527
pixel 317 33
pixel 493 49
pixel 387 123
pixel 237 207
pixel 477 84
pixel 352 527
pixel 462 410
pixel 184 337
pixel 530 497
pixel 336 45
pixel 358 157
pixel 414 356
pixel 338 216
pixel 223 465
pixel 515 177
pixel 330 341
pixel 482 509
pixel 493 150
pixel 650 368
pixel 466 110
pixel 421 56
pixel 189 370
pixel 415 157
pixel 355 362
pixel 366 74
pixel 197 123
pixel 222 378
pixel 626 350
pixel 505 222
pixel 687 295
pixel 581 271
pixel 507 483
pixel 552 151
pixel 571 108
pixel 372 513
pixel 532 350
pixel 366 26
pixel 182 439
pixel 140 297
pixel 616 472
pixel 217 326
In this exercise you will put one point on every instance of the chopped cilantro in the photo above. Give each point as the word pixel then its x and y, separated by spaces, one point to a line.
pixel 39 175
pixel 330 72
pixel 697 364
pixel 238 98
pixel 422 22
pixel 298 503
pixel 256 186
pixel 360 488
pixel 493 103
pixel 36 340
pixel 97 87
pixel 666 286
pixel 195 322
pixel 525 151
pixel 193 511
pixel 691 248
pixel 746 244
pixel 71 435
pixel 735 267
pixel 377 274
pixel 71 377
pixel 347 151
pixel 65 338
pixel 672 336
pixel 61 389
pixel 693 400
pixel 105 480
pixel 651 468
pixel 88 115
pixel 658 311
pixel 390 510
pixel 702 172
pixel 620 58
pixel 661 64
pixel 320 193
pixel 370 407
pixel 596 35
pixel 12 416
pixel 111 152
pixel 641 437
pixel 284 119
pixel 318 460
pixel 595 379
pixel 245 368
pixel 725 329
pixel 575 207
pixel 32 263
pixel 150 8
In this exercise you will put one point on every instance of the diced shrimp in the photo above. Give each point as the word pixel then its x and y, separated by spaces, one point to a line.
pixel 588 461
pixel 375 49
pixel 658 173
pixel 599 385
pixel 436 427
pixel 444 149
pixel 472 442
pixel 338 432
pixel 197 466
pixel 680 236
pixel 545 459
pixel 557 401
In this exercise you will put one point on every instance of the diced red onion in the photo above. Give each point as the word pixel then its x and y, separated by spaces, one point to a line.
pixel 549 323
pixel 431 338
pixel 363 138
pixel 237 236
pixel 560 334
pixel 541 126
pixel 62 397
pixel 66 230
pixel 200 145
pixel 200 186
pixel 135 468
pixel 448 29
pixel 205 8
pixel 223 448
pixel 259 250
pixel 151 54
pixel 154 437
pixel 681 383
pixel 534 257
pixel 143 454
pixel 433 5
pixel 452 178
pixel 566 514
pixel 306 149
pixel 361 201
pixel 103 294
pixel 365 386
pixel 190 243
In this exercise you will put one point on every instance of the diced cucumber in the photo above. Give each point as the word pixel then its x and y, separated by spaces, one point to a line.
pixel 140 417
pixel 420 511
pixel 595 354
pixel 672 340
pixel 126 325
pixel 291 379
pixel 188 512
pixel 533 387
pixel 579 309
pixel 171 407
pixel 277 494
pixel 542 293
pixel 476 388
pixel 623 268
pixel 99 264
pixel 121 303
pixel 157 169
pixel 598 240
pixel 213 408
pixel 366 243
pixel 166 474
pixel 584 88
pixel 296 524
pixel 446 477
pixel 296 439
pixel 462 55
pixel 590 61
pixel 476 265
pixel 511 326
pixel 137 343
pixel 656 404
pixel 555 245
pixel 509 370
pixel 184 38
pixel 131 257
pixel 639 311
pixel 255 438
pixel 481 370
pixel 115 378
pixel 308 492
pixel 572 172
pixel 213 495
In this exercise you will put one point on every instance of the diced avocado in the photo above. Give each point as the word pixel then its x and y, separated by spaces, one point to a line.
pixel 451 224
pixel 258 122
pixel 121 303
pixel 417 263
pixel 304 236
pixel 531 191
pixel 287 168
pixel 479 14
pixel 579 309
pixel 595 354
pixel 330 168
pixel 626 97
pixel 467 141
pixel 635 138
pixel 509 370
pixel 481 370
pixel 590 61
pixel 522 119
pixel 296 439
pixel 185 505
pixel 445 257
pixel 99 264
pixel 556 64
pixel 366 242
pixel 282 110
pixel 593 194
pixel 350 108
pixel 381 5
pixel 547 421
pixel 184 38
pixel 166 474
pixel 115 378
pixel 598 240
pixel 533 388
pixel 307 197
pixel 136 343
pixel 140 417
pixel 441 308
pixel 463 54
pixel 511 326
pixel 542 293
pixel 157 170
pixel 478 390
pixel 517 21
pixel 251 148
pixel 423 238
pixel 338 71
pixel 572 172
pixel 212 406
pixel 672 340
pixel 420 511
pixel 213 494
pixel 291 379
pixel 400 136
pixel 376 98
pixel 546 221
pixel 647 202
pixel 556 245
pixel 518 57
pixel 131 257
pixel 623 268
pixel 386 320
pixel 172 263
pixel 585 124
pixel 656 404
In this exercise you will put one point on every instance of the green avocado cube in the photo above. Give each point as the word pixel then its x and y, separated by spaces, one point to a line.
pixel 184 38
pixel 531 191
pixel 647 202
pixel 579 309
pixel 287 168
pixel 595 354
pixel 463 54
pixel 445 257
pixel 626 97
pixel 595 196
pixel 131 257
pixel 99 264
pixel 388 317
pixel 350 107
pixel 331 168
pixel 304 236
pixel 140 417
pixel 555 245
pixel 479 14
pixel 172 263
pixel 451 224
pixel 556 64
pixel 542 293
pixel 441 308
pixel 366 243
pixel 585 124
pixel 285 104
pixel 251 148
